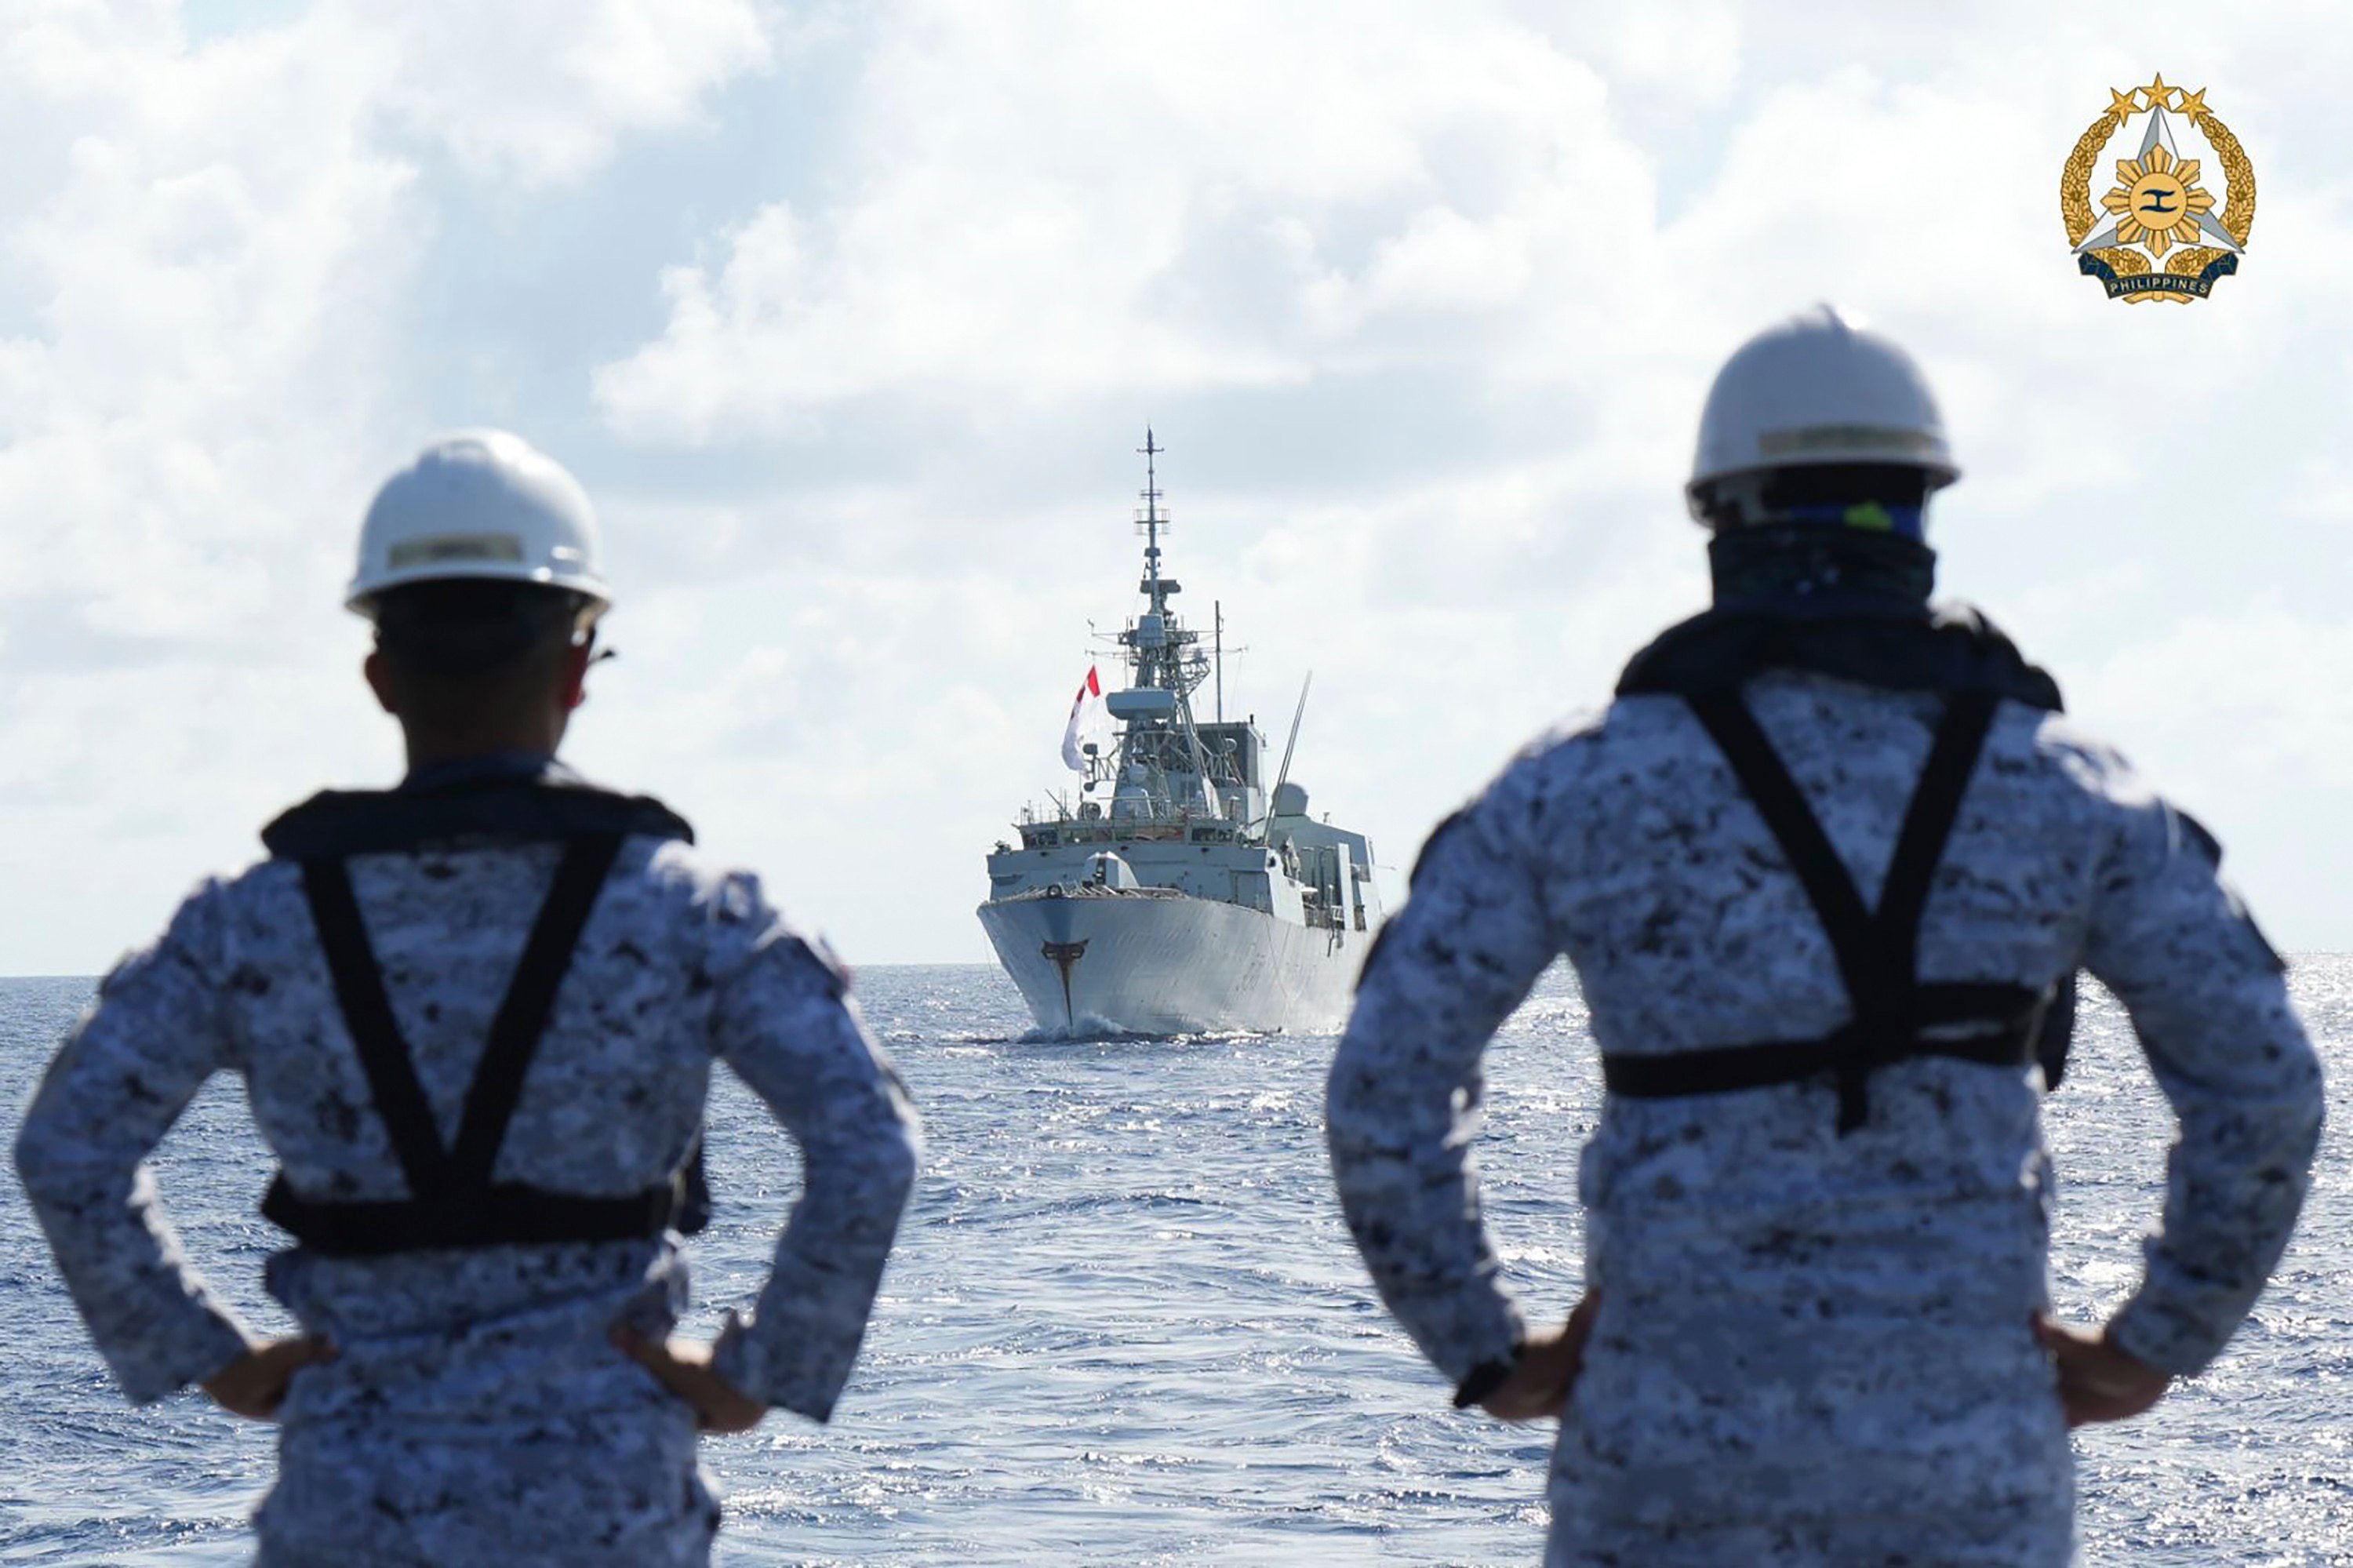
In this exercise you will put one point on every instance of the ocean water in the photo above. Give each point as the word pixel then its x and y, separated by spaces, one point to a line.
pixel 1124 1324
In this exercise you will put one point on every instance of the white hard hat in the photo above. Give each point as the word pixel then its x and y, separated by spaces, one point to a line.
pixel 482 505
pixel 1820 388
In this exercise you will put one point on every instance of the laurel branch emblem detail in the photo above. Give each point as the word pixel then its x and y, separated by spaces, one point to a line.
pixel 2165 236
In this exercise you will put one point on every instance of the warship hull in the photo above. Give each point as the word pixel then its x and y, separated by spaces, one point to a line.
pixel 1155 962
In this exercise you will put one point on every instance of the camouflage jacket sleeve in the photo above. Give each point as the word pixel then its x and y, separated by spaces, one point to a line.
pixel 121 1079
pixel 2208 999
pixel 784 1022
pixel 1403 1104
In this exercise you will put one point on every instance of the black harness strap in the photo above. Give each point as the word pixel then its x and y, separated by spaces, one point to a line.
pixel 400 1101
pixel 523 1016
pixel 1846 921
pixel 1721 1068
pixel 453 1200
pixel 508 1213
pixel 1892 1012
pixel 1927 825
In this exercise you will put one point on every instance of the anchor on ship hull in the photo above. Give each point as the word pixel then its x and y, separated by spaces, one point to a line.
pixel 1063 955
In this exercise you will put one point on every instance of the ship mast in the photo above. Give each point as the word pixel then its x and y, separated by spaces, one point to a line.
pixel 1160 653
pixel 1152 450
pixel 1164 655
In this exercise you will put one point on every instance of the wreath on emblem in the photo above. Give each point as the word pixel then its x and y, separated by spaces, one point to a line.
pixel 2151 250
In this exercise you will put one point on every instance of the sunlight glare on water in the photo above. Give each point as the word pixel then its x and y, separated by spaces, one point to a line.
pixel 1124 1323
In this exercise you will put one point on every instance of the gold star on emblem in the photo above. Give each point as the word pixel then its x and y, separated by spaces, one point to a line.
pixel 2159 95
pixel 2193 104
pixel 2123 106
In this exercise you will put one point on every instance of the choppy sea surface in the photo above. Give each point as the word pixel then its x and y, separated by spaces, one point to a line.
pixel 1124 1324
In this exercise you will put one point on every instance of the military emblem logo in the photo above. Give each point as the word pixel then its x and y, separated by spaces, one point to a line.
pixel 2166 232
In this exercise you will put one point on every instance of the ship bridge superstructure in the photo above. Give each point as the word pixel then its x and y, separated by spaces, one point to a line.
pixel 1167 766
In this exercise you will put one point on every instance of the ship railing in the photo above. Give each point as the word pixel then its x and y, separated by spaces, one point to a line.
pixel 1093 890
pixel 1099 830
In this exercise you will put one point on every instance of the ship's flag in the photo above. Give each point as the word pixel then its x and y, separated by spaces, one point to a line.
pixel 1090 722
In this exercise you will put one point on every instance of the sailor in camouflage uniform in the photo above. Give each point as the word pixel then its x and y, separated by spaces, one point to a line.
pixel 476 1018
pixel 1817 1199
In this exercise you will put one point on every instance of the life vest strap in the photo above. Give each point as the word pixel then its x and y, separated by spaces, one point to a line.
pixel 399 1098
pixel 453 1200
pixel 1849 1055
pixel 508 1214
pixel 1891 1012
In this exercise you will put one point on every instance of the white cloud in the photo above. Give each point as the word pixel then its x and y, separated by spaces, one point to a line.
pixel 1065 200
pixel 2241 716
pixel 2269 668
pixel 542 90
pixel 207 253
pixel 220 255
pixel 1433 256
pixel 1425 301
pixel 217 241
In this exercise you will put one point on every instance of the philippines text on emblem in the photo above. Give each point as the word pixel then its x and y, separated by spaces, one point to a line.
pixel 2176 218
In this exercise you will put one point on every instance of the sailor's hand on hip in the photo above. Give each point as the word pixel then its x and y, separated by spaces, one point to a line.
pixel 1547 1368
pixel 254 1385
pixel 683 1366
pixel 2097 1381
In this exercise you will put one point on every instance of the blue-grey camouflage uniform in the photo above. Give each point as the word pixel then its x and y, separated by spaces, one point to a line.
pixel 477 1412
pixel 1815 1349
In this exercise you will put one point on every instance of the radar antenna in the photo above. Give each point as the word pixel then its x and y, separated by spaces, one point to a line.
pixel 1152 519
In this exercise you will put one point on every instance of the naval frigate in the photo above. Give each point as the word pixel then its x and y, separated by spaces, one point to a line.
pixel 1179 893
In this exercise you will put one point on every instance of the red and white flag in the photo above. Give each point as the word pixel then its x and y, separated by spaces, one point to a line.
pixel 1090 723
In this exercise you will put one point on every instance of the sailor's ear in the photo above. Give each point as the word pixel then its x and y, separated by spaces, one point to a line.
pixel 379 680
pixel 578 657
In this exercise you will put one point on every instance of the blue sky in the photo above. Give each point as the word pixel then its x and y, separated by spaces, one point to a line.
pixel 852 315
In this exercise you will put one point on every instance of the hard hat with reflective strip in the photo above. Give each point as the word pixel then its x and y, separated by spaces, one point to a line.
pixel 483 505
pixel 1820 388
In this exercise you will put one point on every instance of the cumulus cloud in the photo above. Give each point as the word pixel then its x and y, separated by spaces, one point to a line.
pixel 1424 301
pixel 213 239
pixel 218 258
pixel 1450 293
pixel 208 249
pixel 543 90
pixel 1063 200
